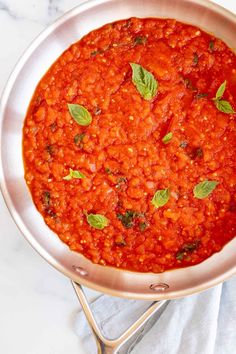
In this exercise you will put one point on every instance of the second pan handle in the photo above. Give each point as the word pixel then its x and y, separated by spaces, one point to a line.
pixel 127 341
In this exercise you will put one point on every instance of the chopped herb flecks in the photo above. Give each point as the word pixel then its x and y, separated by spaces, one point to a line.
pixel 199 152
pixel 183 144
pixel 186 249
pixel 201 95
pixel 95 52
pixel 51 213
pixel 120 242
pixel 46 199
pixel 127 219
pixel 53 127
pixel 195 153
pixel 211 46
pixel 78 139
pixel 140 40
pixel 97 111
pixel 108 171
pixel 189 85
pixel 195 59
pixel 120 182
pixel 50 149
pixel 143 226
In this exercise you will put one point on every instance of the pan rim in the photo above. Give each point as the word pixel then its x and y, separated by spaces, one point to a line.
pixel 7 197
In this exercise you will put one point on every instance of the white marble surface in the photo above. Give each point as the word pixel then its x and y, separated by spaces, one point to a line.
pixel 37 304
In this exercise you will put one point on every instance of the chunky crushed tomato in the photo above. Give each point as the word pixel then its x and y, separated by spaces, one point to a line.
pixel 121 153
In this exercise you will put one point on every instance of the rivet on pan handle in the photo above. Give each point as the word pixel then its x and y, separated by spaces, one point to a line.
pixel 127 341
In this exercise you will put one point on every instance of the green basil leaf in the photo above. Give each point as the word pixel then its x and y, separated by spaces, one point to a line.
pixel 74 174
pixel 144 81
pixel 204 189
pixel 97 221
pixel 167 138
pixel 221 90
pixel 224 106
pixel 161 197
pixel 80 114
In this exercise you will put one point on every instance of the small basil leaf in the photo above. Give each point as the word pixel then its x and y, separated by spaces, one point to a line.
pixel 97 221
pixel 221 90
pixel 204 189
pixel 144 81
pixel 224 106
pixel 161 197
pixel 80 114
pixel 74 174
pixel 167 138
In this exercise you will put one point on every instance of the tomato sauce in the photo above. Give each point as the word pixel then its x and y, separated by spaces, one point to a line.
pixel 121 153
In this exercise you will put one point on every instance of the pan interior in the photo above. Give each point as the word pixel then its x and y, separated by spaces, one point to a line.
pixel 22 83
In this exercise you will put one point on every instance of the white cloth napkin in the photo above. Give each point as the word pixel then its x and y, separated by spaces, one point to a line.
pixel 199 324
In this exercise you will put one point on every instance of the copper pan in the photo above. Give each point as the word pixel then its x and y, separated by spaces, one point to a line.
pixel 31 67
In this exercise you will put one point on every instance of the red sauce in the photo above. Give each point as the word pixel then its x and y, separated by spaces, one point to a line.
pixel 121 152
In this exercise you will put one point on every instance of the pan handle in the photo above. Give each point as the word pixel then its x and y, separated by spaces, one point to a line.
pixel 127 341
